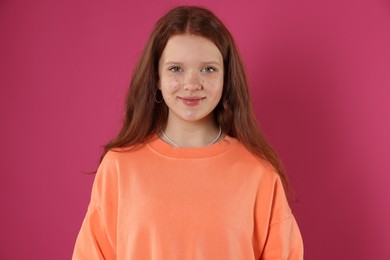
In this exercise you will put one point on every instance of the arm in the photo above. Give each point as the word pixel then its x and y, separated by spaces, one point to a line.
pixel 97 236
pixel 283 239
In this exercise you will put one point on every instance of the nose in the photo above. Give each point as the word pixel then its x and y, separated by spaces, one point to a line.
pixel 192 81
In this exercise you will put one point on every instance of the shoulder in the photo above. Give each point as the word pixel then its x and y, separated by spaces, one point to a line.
pixel 117 160
pixel 119 154
pixel 251 163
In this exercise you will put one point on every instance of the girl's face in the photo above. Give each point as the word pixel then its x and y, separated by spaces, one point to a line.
pixel 191 78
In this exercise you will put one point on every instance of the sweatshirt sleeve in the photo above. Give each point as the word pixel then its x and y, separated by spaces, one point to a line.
pixel 97 236
pixel 283 240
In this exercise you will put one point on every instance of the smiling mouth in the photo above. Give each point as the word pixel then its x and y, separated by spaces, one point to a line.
pixel 191 101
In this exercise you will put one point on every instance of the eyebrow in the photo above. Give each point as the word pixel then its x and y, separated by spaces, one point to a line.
pixel 203 63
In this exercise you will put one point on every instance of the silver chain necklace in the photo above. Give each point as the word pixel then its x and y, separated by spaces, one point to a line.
pixel 176 145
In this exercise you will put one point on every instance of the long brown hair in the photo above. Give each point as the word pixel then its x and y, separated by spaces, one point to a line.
pixel 144 117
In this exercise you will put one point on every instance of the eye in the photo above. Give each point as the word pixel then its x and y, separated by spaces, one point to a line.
pixel 209 69
pixel 175 69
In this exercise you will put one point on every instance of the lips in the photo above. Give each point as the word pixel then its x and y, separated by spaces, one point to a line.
pixel 191 101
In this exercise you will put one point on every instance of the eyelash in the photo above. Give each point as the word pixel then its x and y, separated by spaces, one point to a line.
pixel 206 69
pixel 174 69
pixel 209 68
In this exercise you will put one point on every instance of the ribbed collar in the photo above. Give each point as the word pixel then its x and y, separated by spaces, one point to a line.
pixel 161 147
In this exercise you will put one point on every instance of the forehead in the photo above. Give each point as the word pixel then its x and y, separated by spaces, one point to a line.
pixel 189 47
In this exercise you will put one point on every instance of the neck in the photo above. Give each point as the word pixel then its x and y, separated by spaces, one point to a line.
pixel 191 134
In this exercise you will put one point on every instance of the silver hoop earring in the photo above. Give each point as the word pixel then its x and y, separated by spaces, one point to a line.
pixel 155 97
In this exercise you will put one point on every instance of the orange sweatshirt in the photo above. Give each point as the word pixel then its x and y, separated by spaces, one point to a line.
pixel 160 202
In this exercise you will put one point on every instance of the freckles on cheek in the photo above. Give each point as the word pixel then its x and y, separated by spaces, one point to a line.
pixel 211 83
pixel 171 83
pixel 208 84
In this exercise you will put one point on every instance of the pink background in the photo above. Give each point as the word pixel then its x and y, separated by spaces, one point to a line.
pixel 320 77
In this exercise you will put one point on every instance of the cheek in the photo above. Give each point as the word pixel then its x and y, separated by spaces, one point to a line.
pixel 212 83
pixel 170 83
